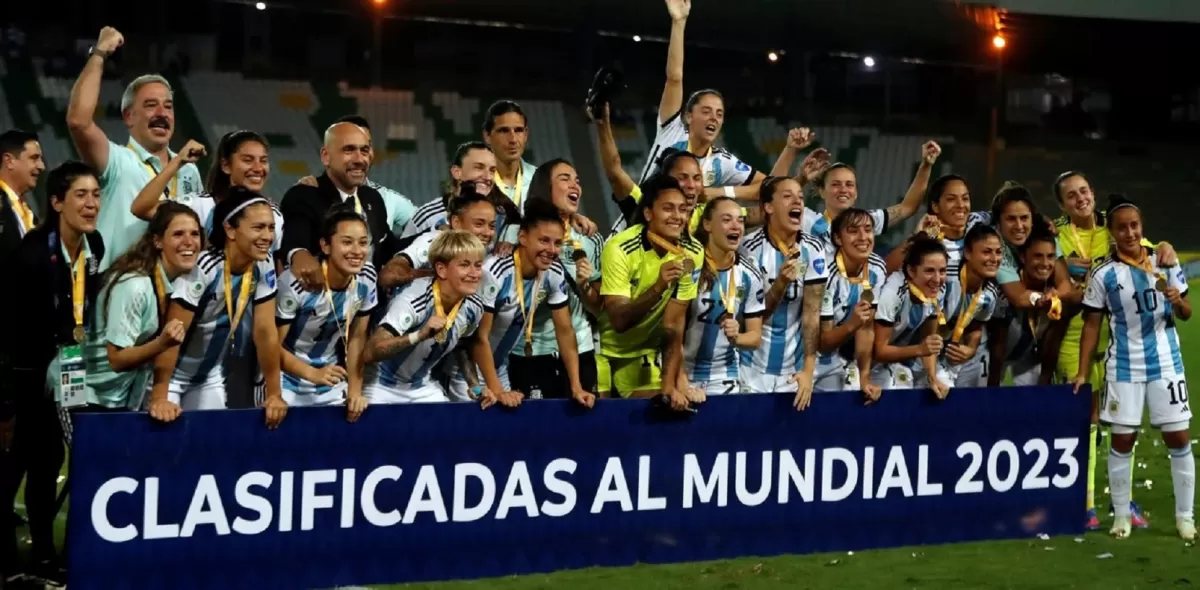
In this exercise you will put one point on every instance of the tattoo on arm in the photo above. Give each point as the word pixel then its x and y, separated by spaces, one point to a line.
pixel 810 317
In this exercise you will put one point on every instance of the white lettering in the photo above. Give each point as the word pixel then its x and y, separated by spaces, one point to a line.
pixel 370 511
pixel 253 502
pixel 829 493
pixel 426 497
pixel 895 474
pixel 518 493
pixel 789 472
pixel 718 480
pixel 100 522
pixel 1005 447
pixel 966 482
pixel 560 487
pixel 347 498
pixel 612 488
pixel 152 529
pixel 285 501
pixel 1034 480
pixel 206 495
pixel 868 471
pixel 924 488
pixel 759 496
pixel 1067 446
pixel 459 511
pixel 310 500
pixel 645 501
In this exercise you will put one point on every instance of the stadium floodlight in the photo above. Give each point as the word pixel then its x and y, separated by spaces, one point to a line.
pixel 998 41
pixel 869 61
pixel 772 56
pixel 637 38
pixel 379 2
pixel 260 5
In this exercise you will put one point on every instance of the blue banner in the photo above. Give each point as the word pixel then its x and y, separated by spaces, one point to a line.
pixel 447 491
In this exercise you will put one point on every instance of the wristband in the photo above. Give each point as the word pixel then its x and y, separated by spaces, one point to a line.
pixel 728 191
pixel 477 391
pixel 414 338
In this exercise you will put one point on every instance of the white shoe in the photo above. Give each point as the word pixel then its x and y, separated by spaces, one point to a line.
pixel 1186 527
pixel 1122 526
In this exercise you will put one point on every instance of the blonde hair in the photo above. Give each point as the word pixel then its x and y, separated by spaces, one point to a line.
pixel 453 243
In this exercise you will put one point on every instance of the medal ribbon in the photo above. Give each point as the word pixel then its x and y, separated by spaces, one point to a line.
pixel 788 251
pixel 864 279
pixel 964 318
pixel 1077 241
pixel 526 316
pixel 160 289
pixel 928 300
pixel 661 242
pixel 515 195
pixel 78 283
pixel 172 189
pixel 24 213
pixel 441 311
pixel 1142 265
pixel 729 294
pixel 343 324
pixel 235 320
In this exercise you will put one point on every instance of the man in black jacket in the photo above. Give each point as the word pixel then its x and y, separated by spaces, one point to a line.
pixel 346 156
pixel 21 164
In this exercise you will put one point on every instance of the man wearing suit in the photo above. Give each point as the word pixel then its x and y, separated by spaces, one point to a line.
pixel 21 164
pixel 346 156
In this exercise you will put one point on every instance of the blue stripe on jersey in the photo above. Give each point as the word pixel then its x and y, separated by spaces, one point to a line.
pixel 1141 284
pixel 216 345
pixel 703 363
pixel 301 387
pixel 1173 342
pixel 388 369
pixel 1119 340
pixel 435 356
pixel 779 326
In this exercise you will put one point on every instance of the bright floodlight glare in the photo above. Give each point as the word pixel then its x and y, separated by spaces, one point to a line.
pixel 260 5
pixel 773 56
pixel 637 38
pixel 869 61
pixel 998 42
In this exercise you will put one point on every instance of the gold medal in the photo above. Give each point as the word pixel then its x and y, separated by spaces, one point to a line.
pixel 578 254
pixel 1161 285
pixel 441 336
pixel 868 296
pixel 528 348
pixel 79 334
pixel 689 265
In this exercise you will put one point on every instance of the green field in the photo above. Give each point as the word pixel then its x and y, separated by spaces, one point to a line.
pixel 1153 557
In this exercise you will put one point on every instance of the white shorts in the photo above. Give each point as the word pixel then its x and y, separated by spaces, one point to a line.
pixel 1123 402
pixel 334 397
pixel 205 396
pixel 722 387
pixel 1026 376
pixel 972 373
pixel 761 383
pixel 401 394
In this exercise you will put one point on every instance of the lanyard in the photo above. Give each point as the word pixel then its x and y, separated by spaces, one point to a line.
pixel 576 245
pixel 515 195
pixel 1077 241
pixel 160 289
pixel 965 317
pixel 441 313
pixel 24 213
pixel 729 294
pixel 863 279
pixel 788 251
pixel 344 323
pixel 672 249
pixel 526 315
pixel 78 283
pixel 1142 265
pixel 173 189
pixel 235 320
pixel 928 300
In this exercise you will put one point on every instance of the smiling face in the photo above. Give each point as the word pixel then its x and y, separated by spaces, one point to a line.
pixel 151 117
pixel 1076 197
pixel 786 207
pixel 565 189
pixel 1039 259
pixel 984 256
pixel 479 167
pixel 542 243
pixel 249 166
pixel 347 155
pixel 856 240
pixel 461 275
pixel 25 168
pixel 691 179
pixel 478 218
pixel 1125 225
pixel 81 204
pixel 954 204
pixel 347 251
pixel 255 232
pixel 726 226
pixel 180 244
pixel 1016 220
pixel 930 274
pixel 706 118
pixel 840 190
pixel 669 215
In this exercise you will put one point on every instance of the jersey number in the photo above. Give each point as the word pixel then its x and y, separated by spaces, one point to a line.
pixel 709 314
pixel 793 291
pixel 1146 302
pixel 1178 392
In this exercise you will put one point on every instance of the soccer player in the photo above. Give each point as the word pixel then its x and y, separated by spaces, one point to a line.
pixel 794 266
pixel 148 109
pixel 514 287
pixel 848 308
pixel 233 279
pixel 474 164
pixel 469 211
pixel 425 322
pixel 323 334
pixel 970 302
pixel 544 372
pixel 949 216
pixel 694 127
pixel 909 317
pixel 1144 365
pixel 650 274
pixel 1014 215
pixel 729 288
pixel 1017 345
pixel 132 305
pixel 242 159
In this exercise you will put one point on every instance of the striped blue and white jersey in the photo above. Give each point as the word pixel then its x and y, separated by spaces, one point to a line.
pixel 954 248
pixel 498 292
pixel 427 217
pixel 841 295
pixel 1143 345
pixel 781 352
pixel 407 313
pixel 707 353
pixel 1021 345
pixel 820 227
pixel 720 168
pixel 955 303
pixel 204 204
pixel 896 307
pixel 417 252
pixel 318 328
pixel 202 291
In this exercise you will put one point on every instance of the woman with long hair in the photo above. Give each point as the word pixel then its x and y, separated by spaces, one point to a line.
pixel 226 303
pixel 469 211
pixel 1019 346
pixel 731 296
pixel 323 334
pixel 130 331
pixel 910 316
pixel 242 159
pixel 971 300
pixel 1144 366
pixel 848 308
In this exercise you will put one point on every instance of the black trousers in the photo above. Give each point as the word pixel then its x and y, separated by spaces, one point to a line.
pixel 37 454
pixel 545 377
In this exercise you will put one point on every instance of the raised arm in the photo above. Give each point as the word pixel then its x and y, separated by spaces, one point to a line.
pixel 610 157
pixel 89 139
pixel 672 97
pixel 146 204
pixel 916 191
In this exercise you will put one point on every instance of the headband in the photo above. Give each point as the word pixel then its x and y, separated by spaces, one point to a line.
pixel 239 208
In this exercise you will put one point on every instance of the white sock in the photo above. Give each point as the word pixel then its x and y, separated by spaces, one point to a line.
pixel 1120 481
pixel 1183 477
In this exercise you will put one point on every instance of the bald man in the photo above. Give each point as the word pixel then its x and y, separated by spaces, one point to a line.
pixel 346 156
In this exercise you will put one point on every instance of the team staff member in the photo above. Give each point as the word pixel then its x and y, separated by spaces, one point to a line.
pixel 323 334
pixel 130 309
pixel 650 274
pixel 556 183
pixel 58 267
pixel 1144 365
pixel 794 266
pixel 21 164
pixel 242 159
pixel 346 156
pixel 225 303
pixel 506 131
pixel 148 108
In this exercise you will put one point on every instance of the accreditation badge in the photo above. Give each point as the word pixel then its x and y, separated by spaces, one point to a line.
pixel 72 374
pixel 852 381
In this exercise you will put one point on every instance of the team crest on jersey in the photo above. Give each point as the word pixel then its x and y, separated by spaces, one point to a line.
pixel 710 177
pixel 271 278
pixel 541 296
pixel 406 321
pixel 741 292
pixel 288 304
pixel 187 187
pixel 491 290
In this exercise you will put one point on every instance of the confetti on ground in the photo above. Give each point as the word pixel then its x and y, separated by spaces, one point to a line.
pixel 849 553
pixel 1078 539
pixel 1104 556
pixel 62 478
pixel 1044 536
pixel 1048 548
pixel 834 562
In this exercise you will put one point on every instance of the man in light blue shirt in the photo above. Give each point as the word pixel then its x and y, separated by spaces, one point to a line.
pixel 148 108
